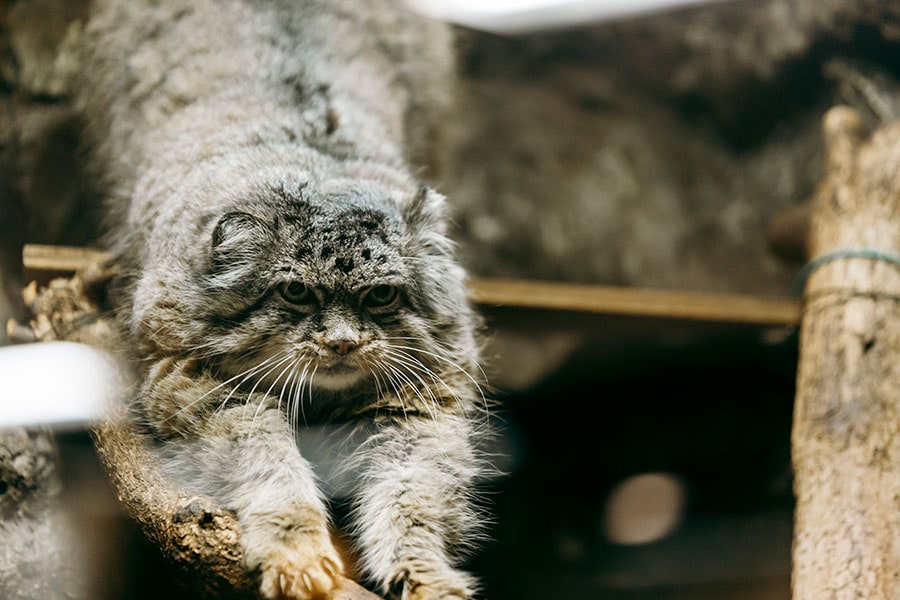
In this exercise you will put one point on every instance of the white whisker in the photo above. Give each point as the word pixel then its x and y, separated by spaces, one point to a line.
pixel 450 362
pixel 414 363
pixel 414 367
pixel 389 378
pixel 412 386
pixel 290 388
pixel 301 386
pixel 448 350
pixel 275 381
pixel 260 379
pixel 310 386
pixel 246 374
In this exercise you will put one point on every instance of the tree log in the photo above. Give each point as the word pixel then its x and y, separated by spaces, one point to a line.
pixel 846 432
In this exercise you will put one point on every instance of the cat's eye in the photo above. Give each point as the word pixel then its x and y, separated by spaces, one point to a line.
pixel 297 292
pixel 380 296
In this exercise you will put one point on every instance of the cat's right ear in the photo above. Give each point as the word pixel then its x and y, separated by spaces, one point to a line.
pixel 239 238
pixel 427 211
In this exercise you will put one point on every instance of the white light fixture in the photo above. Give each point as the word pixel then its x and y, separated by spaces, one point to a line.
pixel 524 16
pixel 59 384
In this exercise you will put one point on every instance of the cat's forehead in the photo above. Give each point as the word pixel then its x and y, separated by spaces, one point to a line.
pixel 346 243
pixel 353 203
pixel 345 222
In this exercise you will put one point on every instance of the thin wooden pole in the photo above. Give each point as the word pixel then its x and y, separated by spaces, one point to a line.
pixel 43 262
pixel 846 432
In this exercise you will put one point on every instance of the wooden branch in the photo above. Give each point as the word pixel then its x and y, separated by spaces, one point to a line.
pixel 846 432
pixel 635 302
pixel 42 261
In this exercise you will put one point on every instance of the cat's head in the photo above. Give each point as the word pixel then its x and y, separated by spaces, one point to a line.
pixel 347 285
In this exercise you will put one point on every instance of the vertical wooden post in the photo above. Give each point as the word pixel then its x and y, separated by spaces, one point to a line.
pixel 846 432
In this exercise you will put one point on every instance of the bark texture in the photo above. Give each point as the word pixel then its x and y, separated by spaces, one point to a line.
pixel 846 433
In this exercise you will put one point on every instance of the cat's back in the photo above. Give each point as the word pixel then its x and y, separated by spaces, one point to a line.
pixel 161 75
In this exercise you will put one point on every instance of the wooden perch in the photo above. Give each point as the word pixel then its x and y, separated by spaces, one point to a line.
pixel 846 433
pixel 635 302
pixel 41 262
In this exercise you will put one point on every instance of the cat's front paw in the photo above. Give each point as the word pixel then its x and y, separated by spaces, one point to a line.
pixel 293 553
pixel 426 584
pixel 306 570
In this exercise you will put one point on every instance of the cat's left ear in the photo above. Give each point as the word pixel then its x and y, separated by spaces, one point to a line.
pixel 427 211
pixel 239 238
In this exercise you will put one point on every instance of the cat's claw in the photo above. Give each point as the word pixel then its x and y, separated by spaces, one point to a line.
pixel 404 587
pixel 299 576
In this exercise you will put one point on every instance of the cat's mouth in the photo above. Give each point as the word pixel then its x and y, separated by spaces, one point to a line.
pixel 335 379
pixel 337 375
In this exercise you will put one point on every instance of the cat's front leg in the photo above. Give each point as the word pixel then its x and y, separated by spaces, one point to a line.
pixel 414 514
pixel 291 548
pixel 246 459
pixel 242 454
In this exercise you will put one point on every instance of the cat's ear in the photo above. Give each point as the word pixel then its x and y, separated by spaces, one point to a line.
pixel 239 238
pixel 426 217
pixel 427 211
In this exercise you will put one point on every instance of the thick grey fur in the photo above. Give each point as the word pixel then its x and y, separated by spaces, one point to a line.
pixel 247 145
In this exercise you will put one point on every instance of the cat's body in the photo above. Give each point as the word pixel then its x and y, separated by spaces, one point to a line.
pixel 282 264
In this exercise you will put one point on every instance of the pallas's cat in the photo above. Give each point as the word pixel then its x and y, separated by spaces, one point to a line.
pixel 283 265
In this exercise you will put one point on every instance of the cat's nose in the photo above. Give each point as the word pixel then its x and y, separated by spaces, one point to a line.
pixel 343 346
